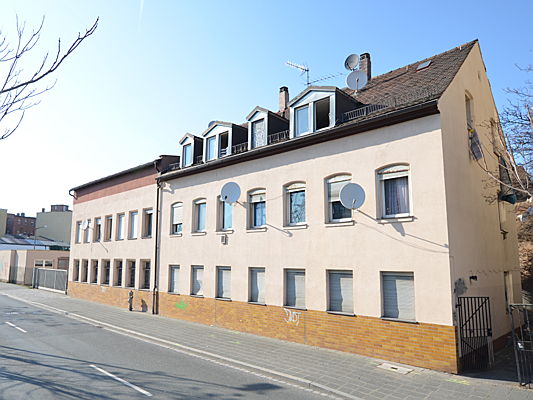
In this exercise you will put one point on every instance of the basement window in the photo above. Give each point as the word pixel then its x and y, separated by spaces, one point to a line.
pixel 322 114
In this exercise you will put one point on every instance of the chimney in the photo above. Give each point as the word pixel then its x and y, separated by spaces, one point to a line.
pixel 364 65
pixel 284 101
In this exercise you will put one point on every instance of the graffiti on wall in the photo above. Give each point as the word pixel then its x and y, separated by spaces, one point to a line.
pixel 181 305
pixel 292 316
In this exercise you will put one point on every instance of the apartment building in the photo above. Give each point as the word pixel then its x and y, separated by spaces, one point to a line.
pixel 287 259
pixel 54 224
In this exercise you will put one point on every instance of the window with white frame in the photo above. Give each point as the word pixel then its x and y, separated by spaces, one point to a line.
pixel 106 272
pixel 84 270
pixel 118 273
pixel 210 148
pixel 87 232
pixel 398 290
pixel 145 275
pixel 322 117
pixel 177 218
pixel 301 120
pixel 340 291
pixel 134 224
pixel 197 276
pixel 94 271
pixel 78 232
pixel 97 229
pixel 225 215
pixel 76 271
pixel 173 280
pixel 394 191
pixel 121 226
pixel 295 288
pixel 130 273
pixel 224 282
pixel 336 211
pixel 187 155
pixel 108 228
pixel 200 212
pixel 259 136
pixel 148 218
pixel 257 285
pixel 257 209
pixel 295 203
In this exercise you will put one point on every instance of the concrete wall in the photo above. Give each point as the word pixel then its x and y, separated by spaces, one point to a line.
pixel 58 225
pixel 16 266
pixel 477 247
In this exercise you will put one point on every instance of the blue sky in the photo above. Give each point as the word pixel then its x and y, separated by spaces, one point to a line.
pixel 155 70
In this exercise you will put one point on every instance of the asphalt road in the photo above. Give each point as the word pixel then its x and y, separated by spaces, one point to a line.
pixel 49 356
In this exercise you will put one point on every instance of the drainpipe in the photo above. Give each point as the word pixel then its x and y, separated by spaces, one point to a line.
pixel 155 294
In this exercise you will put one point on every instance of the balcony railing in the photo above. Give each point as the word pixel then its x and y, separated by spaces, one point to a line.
pixel 223 152
pixel 278 137
pixel 198 160
pixel 362 112
pixel 239 148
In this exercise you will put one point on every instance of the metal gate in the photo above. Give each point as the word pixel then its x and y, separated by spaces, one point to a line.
pixel 475 333
pixel 521 327
pixel 50 279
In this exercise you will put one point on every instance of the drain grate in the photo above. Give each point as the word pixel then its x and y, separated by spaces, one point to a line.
pixel 394 368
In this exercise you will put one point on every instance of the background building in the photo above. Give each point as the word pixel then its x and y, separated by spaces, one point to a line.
pixel 54 224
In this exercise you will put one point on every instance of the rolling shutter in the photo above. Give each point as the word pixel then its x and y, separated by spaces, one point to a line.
pixel 177 213
pixel 341 291
pixel 399 296
pixel 295 288
pixel 257 285
pixel 224 282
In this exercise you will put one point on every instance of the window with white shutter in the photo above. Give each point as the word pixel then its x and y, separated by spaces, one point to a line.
pixel 398 295
pixel 173 281
pixel 340 291
pixel 224 282
pixel 257 285
pixel 197 287
pixel 177 218
pixel 336 211
pixel 295 288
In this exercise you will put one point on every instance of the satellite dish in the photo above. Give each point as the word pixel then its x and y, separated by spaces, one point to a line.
pixel 230 192
pixel 356 80
pixel 352 196
pixel 85 224
pixel 352 61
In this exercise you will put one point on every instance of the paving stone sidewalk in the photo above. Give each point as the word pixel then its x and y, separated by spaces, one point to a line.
pixel 355 376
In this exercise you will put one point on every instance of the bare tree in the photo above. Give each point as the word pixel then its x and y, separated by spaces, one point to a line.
pixel 20 85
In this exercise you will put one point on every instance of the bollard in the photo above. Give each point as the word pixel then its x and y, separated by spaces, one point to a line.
pixel 130 300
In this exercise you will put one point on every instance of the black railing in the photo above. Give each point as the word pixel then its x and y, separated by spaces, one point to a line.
pixel 278 137
pixel 198 160
pixel 362 112
pixel 223 152
pixel 239 148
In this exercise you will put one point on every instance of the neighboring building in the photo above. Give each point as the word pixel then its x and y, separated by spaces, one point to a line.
pixel 3 222
pixel 19 224
pixel 16 266
pixel 382 281
pixel 54 224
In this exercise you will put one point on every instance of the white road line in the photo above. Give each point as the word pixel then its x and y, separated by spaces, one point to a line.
pixel 131 385
pixel 16 327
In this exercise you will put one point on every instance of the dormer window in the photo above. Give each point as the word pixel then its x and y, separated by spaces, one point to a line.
pixel 210 146
pixel 223 139
pixel 187 155
pixel 223 143
pixel 258 133
pixel 322 114
pixel 301 123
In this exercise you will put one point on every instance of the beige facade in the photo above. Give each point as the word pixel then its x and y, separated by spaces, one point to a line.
pixel 397 270
pixel 17 266
pixel 54 225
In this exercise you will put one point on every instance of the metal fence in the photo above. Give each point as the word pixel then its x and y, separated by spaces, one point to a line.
pixel 522 330
pixel 50 279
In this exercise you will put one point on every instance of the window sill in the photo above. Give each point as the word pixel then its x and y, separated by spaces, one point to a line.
pixel 259 229
pixel 146 237
pixel 200 296
pixel 174 293
pixel 222 298
pixel 227 232
pixel 132 238
pixel 295 308
pixel 405 321
pixel 257 304
pixel 340 223
pixel 176 234
pixel 198 233
pixel 295 227
pixel 107 240
pixel 390 220
pixel 346 314
pixel 143 290
pixel 119 240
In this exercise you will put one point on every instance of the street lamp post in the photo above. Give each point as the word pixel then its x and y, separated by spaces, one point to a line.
pixel 35 235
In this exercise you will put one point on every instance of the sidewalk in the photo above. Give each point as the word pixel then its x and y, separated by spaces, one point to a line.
pixel 342 374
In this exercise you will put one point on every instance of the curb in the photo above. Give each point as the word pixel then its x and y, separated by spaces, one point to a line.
pixel 222 360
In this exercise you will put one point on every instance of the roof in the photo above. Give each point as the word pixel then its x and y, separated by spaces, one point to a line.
pixel 319 89
pixel 265 110
pixel 187 135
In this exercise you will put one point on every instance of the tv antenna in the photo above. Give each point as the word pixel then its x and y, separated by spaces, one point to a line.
pixel 303 68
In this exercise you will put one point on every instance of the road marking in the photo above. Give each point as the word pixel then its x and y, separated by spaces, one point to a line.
pixel 131 385
pixel 16 327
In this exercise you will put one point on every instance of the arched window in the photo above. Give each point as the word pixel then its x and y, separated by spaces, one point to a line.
pixel 395 191
pixel 176 218
pixel 295 203
pixel 336 211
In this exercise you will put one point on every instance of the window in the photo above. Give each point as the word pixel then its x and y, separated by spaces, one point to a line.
pixel 508 289
pixel 147 223
pixel 146 275
pixel 121 229
pixel 295 288
pixel 106 272
pixel 301 123
pixel 322 114
pixel 108 227
pixel 130 276
pixel 469 112
pixel 187 155
pixel 134 218
pixel 257 209
pixel 200 208
pixel 97 229
pixel 258 133
pixel 210 146
pixel 84 270
pixel 94 271
pixel 78 232
pixel 223 144
pixel 86 232
pixel 173 282
pixel 394 183
pixel 257 285
pixel 118 273
pixel 43 263
pixel 76 271
pixel 336 211
pixel 295 204
pixel 224 282
pixel 177 218
pixel 226 214
pixel 398 295
pixel 197 273
pixel 340 285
